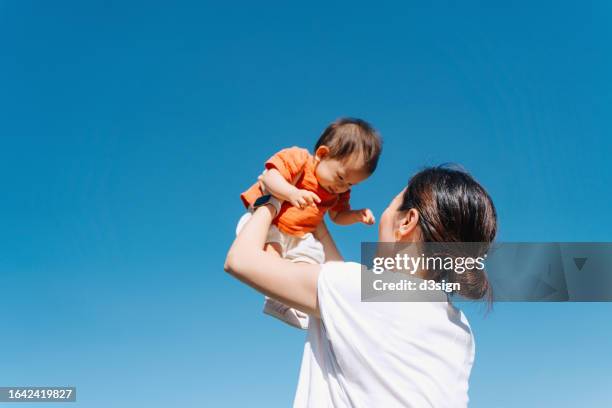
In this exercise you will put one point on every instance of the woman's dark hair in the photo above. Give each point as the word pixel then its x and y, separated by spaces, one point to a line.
pixel 454 208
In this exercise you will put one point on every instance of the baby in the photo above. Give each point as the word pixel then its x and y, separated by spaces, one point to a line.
pixel 310 186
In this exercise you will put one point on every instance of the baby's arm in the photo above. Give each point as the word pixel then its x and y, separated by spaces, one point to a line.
pixel 280 188
pixel 349 217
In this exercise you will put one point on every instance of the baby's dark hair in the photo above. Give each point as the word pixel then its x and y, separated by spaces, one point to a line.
pixel 347 136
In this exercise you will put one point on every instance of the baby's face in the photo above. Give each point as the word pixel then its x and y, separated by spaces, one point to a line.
pixel 337 176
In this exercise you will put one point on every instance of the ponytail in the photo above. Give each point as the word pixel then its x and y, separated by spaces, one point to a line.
pixel 454 208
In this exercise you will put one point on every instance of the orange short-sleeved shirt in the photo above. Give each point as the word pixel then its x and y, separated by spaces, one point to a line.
pixel 291 220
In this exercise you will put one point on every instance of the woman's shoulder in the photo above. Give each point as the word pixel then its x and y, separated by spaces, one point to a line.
pixel 336 266
pixel 339 278
pixel 340 273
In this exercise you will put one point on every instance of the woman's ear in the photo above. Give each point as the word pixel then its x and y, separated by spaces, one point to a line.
pixel 407 228
pixel 321 152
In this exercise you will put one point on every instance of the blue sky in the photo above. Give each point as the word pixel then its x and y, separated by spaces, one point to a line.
pixel 129 129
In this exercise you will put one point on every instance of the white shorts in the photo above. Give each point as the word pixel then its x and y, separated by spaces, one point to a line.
pixel 296 249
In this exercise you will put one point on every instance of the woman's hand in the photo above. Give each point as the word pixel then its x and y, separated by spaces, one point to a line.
pixel 386 225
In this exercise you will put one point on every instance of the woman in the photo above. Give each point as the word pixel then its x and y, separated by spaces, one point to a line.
pixel 410 354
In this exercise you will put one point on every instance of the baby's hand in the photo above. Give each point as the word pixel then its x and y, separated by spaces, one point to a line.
pixel 366 216
pixel 302 198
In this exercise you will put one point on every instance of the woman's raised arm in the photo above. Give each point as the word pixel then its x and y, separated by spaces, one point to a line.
pixel 329 246
pixel 294 284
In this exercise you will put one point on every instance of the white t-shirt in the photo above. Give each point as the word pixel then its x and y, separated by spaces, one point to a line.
pixel 375 354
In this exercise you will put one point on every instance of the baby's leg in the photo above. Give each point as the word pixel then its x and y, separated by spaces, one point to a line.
pixel 306 249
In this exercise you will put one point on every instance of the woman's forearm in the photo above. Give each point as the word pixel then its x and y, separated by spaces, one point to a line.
pixel 251 240
pixel 329 246
pixel 294 284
